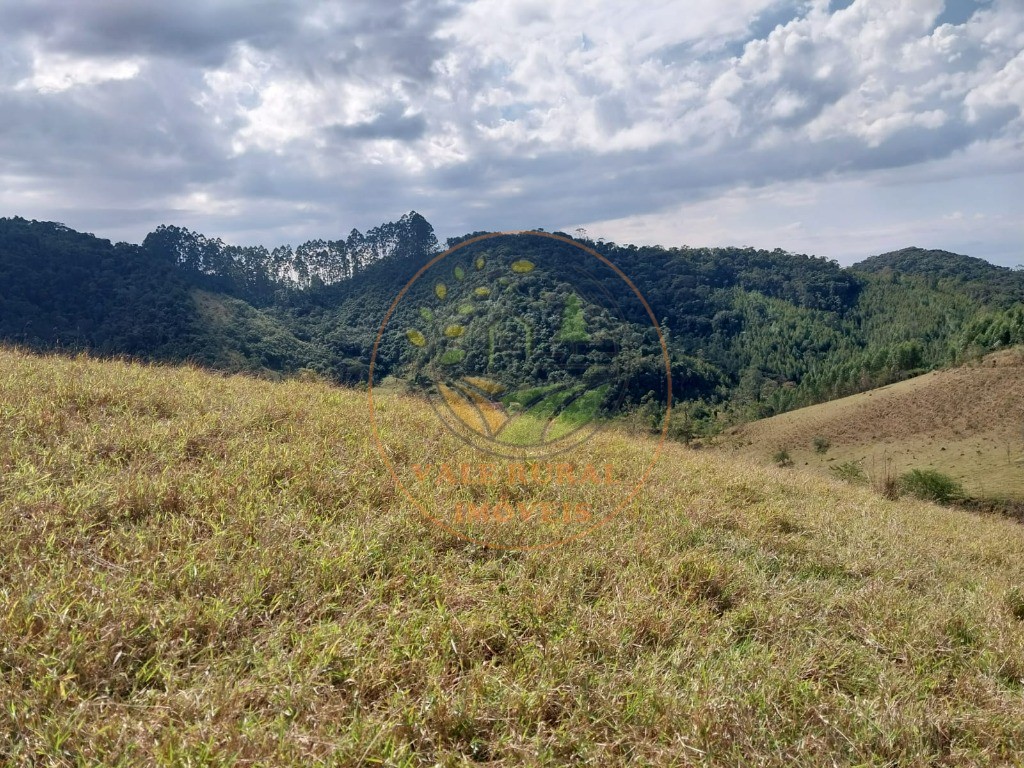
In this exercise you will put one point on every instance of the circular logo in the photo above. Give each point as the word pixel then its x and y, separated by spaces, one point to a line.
pixel 524 344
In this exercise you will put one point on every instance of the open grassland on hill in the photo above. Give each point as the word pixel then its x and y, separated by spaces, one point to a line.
pixel 966 422
pixel 206 570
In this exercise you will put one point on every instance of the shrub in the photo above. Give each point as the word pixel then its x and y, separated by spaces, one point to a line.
pixel 782 458
pixel 1015 602
pixel 822 444
pixel 850 471
pixel 931 485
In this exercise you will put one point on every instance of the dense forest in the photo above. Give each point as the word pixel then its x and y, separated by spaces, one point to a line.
pixel 749 332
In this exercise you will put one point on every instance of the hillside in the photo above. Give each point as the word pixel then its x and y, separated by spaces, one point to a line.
pixel 936 264
pixel 967 422
pixel 207 570
pixel 750 333
pixel 982 280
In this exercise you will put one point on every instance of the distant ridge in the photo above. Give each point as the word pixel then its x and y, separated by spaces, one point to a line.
pixel 935 263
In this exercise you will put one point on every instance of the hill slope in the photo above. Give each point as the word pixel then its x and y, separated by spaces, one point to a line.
pixel 967 422
pixel 983 281
pixel 750 333
pixel 206 570
pixel 938 265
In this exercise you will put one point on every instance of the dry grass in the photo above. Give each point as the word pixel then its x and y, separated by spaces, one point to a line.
pixel 966 422
pixel 198 570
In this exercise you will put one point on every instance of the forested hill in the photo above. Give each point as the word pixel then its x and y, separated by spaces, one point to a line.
pixel 750 332
pixel 987 281
pixel 181 296
pixel 937 264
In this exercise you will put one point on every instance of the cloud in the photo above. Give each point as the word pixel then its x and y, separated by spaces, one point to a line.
pixel 57 72
pixel 187 30
pixel 285 120
pixel 392 123
pixel 847 219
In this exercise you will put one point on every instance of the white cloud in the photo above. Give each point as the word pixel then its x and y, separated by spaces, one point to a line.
pixel 495 113
pixel 1003 90
pixel 55 72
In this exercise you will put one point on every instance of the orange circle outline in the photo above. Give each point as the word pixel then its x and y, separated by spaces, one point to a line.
pixel 668 380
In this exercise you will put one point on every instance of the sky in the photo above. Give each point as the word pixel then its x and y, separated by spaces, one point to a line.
pixel 832 127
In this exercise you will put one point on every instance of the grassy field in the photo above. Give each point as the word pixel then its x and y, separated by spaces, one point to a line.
pixel 201 570
pixel 966 422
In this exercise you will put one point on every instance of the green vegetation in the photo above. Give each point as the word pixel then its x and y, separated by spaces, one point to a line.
pixel 782 458
pixel 850 471
pixel 574 327
pixel 208 570
pixel 994 330
pixel 750 333
pixel 452 357
pixel 983 281
pixel 931 485
pixel 585 408
pixel 822 444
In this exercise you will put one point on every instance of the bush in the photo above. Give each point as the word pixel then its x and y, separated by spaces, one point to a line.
pixel 931 485
pixel 850 471
pixel 1015 602
pixel 783 459
pixel 822 444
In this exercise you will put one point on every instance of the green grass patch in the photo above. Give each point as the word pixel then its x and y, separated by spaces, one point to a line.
pixel 452 357
pixel 931 485
pixel 574 328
